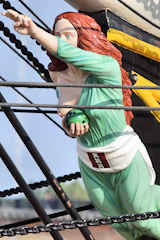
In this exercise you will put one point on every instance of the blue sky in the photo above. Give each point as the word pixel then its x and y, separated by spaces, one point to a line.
pixel 58 150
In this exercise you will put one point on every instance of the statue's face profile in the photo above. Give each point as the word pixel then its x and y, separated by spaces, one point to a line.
pixel 65 30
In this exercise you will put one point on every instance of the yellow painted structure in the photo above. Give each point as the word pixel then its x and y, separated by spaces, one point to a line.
pixel 133 44
pixel 150 97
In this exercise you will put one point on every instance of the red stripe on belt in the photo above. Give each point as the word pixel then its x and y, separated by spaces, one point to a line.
pixel 98 160
pixel 104 160
pixel 91 158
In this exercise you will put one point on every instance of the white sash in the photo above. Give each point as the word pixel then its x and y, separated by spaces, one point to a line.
pixel 119 153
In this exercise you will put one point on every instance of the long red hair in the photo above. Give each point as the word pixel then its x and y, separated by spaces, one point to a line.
pixel 91 38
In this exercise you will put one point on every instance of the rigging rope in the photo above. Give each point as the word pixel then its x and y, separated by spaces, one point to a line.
pixel 74 223
pixel 35 15
pixel 20 55
pixel 34 186
pixel 39 110
pixel 41 69
pixel 24 50
pixel 7 5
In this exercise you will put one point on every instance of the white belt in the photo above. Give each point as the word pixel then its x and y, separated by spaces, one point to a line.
pixel 115 156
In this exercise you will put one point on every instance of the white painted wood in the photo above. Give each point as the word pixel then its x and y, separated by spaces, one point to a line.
pixel 149 9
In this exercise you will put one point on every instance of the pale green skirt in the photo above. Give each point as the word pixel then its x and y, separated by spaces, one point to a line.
pixel 128 191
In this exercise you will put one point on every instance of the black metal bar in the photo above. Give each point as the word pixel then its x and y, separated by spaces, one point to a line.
pixel 44 168
pixel 127 108
pixel 27 191
pixel 89 85
pixel 31 111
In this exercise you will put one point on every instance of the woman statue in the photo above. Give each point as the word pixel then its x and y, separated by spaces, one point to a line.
pixel 114 164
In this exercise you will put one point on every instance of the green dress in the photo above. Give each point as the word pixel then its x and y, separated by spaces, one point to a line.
pixel 128 190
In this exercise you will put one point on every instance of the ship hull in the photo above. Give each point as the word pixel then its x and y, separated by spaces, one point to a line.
pixel 144 14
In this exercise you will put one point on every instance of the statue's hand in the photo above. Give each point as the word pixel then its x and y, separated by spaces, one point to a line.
pixel 23 24
pixel 76 123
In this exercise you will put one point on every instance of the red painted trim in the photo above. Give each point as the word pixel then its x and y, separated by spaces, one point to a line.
pixel 91 158
pixel 104 160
